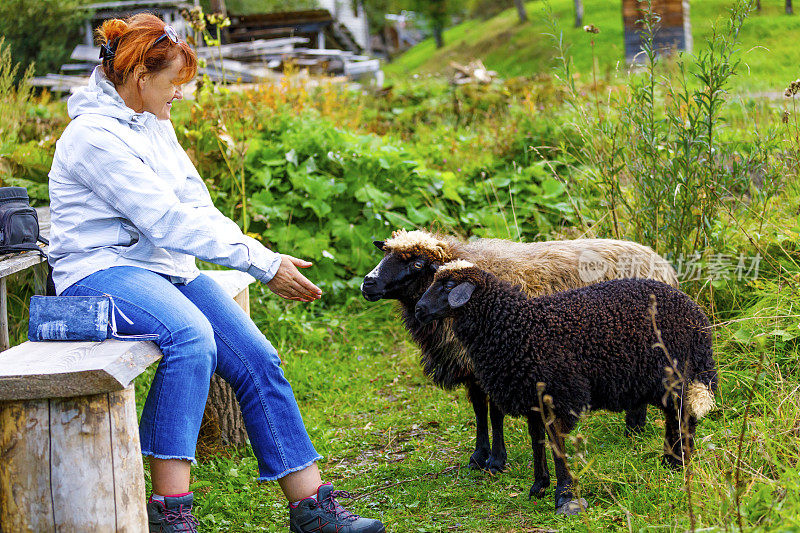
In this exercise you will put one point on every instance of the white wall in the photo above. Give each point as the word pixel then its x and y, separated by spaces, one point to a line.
pixel 342 10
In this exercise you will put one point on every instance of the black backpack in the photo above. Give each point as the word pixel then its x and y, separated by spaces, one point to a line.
pixel 19 224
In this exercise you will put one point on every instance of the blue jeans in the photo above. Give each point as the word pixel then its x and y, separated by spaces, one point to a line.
pixel 202 330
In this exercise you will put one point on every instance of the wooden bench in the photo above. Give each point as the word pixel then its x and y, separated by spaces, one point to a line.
pixel 70 458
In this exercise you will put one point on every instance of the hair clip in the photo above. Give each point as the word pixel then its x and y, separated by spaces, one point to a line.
pixel 108 49
pixel 106 52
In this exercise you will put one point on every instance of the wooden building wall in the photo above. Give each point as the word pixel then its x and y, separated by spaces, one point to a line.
pixel 353 20
pixel 673 31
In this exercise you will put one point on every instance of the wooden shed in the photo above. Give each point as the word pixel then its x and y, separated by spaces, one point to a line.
pixel 673 31
pixel 167 10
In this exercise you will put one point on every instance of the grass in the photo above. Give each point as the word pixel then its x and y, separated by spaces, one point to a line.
pixel 515 49
pixel 401 445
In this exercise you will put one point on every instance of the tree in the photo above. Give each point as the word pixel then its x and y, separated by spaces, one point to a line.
pixel 578 13
pixel 789 10
pixel 523 15
pixel 437 12
pixel 42 32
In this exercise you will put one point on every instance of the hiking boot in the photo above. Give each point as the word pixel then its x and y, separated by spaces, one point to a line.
pixel 172 516
pixel 326 515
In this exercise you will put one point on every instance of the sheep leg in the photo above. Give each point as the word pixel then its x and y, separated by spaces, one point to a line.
pixel 497 460
pixel 678 438
pixel 565 501
pixel 482 448
pixel 541 476
pixel 635 420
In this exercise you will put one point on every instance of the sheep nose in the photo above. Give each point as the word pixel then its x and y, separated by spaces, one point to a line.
pixel 370 290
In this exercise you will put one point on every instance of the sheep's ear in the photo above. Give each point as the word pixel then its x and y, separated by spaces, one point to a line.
pixel 460 294
pixel 380 245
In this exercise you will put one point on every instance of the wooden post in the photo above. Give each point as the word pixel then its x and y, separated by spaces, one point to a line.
pixel 218 6
pixel 40 279
pixel 673 31
pixel 5 344
pixel 72 464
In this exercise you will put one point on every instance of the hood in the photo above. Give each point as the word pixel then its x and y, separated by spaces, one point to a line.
pixel 100 97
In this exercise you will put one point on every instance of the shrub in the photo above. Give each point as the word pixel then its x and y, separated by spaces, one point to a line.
pixel 43 32
pixel 304 186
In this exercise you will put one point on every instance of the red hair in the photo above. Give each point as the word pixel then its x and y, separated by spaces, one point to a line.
pixel 132 41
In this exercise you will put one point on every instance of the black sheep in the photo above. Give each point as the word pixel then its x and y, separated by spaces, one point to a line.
pixel 582 349
pixel 410 263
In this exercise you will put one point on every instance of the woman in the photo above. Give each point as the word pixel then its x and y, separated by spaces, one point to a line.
pixel 129 216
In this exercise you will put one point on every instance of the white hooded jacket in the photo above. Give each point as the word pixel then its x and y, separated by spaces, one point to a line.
pixel 124 193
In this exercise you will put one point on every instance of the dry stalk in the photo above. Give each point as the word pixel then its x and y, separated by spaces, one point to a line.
pixel 553 431
pixel 672 383
pixel 433 475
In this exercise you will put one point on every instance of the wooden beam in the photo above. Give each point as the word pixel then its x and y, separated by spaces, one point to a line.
pixel 232 281
pixel 62 369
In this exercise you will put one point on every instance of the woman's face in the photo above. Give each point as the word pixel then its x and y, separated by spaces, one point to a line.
pixel 158 90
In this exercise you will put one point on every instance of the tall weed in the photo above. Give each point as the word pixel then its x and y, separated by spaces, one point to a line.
pixel 14 97
pixel 654 150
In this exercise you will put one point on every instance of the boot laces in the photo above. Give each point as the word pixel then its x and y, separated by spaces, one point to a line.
pixel 182 516
pixel 330 505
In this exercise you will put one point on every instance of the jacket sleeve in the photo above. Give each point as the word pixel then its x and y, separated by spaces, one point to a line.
pixel 113 171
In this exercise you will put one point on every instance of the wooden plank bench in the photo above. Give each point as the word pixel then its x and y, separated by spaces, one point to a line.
pixel 69 442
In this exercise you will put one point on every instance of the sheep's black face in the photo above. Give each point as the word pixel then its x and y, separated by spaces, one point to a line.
pixel 442 298
pixel 397 277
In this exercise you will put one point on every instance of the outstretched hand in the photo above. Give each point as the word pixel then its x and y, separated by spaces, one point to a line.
pixel 290 284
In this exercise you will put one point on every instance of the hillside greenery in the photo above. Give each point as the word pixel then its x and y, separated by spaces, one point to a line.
pixel 514 49
pixel 665 156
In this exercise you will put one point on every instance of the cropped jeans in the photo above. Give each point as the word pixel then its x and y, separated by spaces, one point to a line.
pixel 202 330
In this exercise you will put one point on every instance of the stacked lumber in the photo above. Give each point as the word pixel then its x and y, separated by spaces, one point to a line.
pixel 240 62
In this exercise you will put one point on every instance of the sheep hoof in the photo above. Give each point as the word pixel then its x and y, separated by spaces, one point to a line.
pixel 538 489
pixel 671 461
pixel 572 507
pixel 633 430
pixel 478 460
pixel 495 465
pixel 635 421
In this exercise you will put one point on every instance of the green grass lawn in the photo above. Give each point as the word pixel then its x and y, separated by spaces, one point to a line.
pixel 769 61
pixel 401 445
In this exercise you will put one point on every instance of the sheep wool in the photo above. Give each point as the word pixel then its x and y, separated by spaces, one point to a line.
pixel 538 268
pixel 585 349
pixel 599 338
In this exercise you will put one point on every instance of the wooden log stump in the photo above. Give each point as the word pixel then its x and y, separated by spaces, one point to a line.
pixel 71 464
pixel 70 458
pixel 223 425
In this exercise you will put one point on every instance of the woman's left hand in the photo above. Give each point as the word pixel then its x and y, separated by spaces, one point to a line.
pixel 290 284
